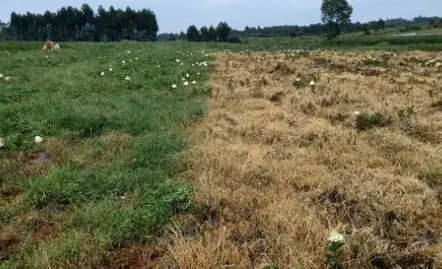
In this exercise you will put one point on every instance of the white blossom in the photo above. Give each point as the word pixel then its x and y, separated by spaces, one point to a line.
pixel 127 78
pixel 102 74
pixel 312 83
pixel 336 237
pixel 186 83
pixel 356 113
pixel 2 142
pixel 194 82
pixel 174 86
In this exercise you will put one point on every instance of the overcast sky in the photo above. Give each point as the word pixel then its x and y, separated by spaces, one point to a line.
pixel 177 15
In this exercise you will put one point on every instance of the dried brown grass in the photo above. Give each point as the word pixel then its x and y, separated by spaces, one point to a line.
pixel 274 174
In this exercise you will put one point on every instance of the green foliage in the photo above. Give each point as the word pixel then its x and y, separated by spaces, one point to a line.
pixel 335 255
pixel 222 31
pixel 193 34
pixel 334 13
pixel 72 24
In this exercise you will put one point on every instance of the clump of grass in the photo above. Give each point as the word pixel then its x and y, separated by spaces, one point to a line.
pixel 366 121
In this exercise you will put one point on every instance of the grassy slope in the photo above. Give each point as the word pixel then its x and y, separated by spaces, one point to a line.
pixel 108 181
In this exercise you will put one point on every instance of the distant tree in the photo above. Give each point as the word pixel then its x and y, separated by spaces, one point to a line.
pixel 222 31
pixel 204 34
pixel 335 13
pixel 193 34
pixel 380 25
pixel 212 34
pixel 71 24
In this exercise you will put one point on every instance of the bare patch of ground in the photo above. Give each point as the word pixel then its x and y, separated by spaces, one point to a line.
pixel 278 164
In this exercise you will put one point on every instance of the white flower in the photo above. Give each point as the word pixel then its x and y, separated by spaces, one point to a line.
pixel 38 139
pixel 438 64
pixel 127 78
pixel 102 74
pixel 177 60
pixel 2 142
pixel 136 58
pixel 298 80
pixel 336 237
pixel 193 65
pixel 312 83
pixel 186 83
pixel 187 76
pixel 356 113
pixel 1 75
pixel 174 86
pixel 183 79
pixel 182 64
pixel 194 82
pixel 111 69
pixel 158 66
pixel 198 74
pixel 130 60
pixel 123 61
pixel 6 78
pixel 128 52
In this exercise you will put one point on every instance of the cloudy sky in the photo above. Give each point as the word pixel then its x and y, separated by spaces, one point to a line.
pixel 177 15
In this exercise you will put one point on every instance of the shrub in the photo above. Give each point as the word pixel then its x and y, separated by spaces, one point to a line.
pixel 234 39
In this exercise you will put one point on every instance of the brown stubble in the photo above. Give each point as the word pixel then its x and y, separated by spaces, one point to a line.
pixel 276 167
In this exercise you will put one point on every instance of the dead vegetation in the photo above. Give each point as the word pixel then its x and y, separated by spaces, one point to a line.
pixel 278 164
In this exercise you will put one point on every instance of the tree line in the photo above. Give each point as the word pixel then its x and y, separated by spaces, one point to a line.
pixel 73 24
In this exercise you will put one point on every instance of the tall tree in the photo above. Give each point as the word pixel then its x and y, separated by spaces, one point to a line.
pixel 212 34
pixel 222 31
pixel 193 34
pixel 335 13
pixel 204 33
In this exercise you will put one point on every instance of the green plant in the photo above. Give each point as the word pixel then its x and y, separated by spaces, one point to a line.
pixel 335 252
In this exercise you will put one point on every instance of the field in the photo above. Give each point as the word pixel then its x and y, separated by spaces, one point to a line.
pixel 250 167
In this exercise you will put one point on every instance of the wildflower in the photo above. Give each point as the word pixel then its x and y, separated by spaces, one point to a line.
pixel 130 60
pixel 312 83
pixel 1 75
pixel 38 139
pixel 127 78
pixel 356 113
pixel 194 82
pixel 174 86
pixel 6 78
pixel 158 66
pixel 193 65
pixel 298 80
pixel 136 58
pixel 183 79
pixel 187 76
pixel 111 69
pixel 178 60
pixel 123 61
pixel 336 237
pixel 128 52
pixel 2 142
pixel 438 64
pixel 102 74
pixel 186 83
pixel 181 64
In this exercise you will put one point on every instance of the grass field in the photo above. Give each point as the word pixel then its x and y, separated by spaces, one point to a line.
pixel 102 179
pixel 250 167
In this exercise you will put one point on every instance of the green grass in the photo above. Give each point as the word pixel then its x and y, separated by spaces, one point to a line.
pixel 109 180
